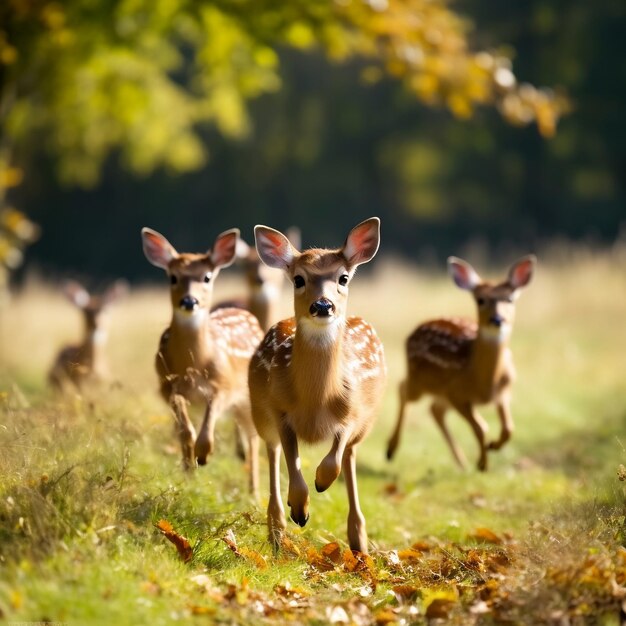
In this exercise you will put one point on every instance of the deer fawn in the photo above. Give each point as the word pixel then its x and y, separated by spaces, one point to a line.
pixel 85 362
pixel 203 357
pixel 318 375
pixel 463 364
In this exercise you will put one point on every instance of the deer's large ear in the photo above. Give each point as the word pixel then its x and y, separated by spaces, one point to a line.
pixel 158 250
pixel 274 249
pixel 362 243
pixel 117 290
pixel 76 294
pixel 463 274
pixel 521 271
pixel 224 250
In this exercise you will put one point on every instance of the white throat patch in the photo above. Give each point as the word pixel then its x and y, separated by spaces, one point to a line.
pixel 191 319
pixel 496 334
pixel 320 333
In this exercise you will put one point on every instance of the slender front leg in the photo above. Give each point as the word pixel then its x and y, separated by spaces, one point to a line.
pixel 186 431
pixel 395 438
pixel 253 464
pixel 330 467
pixel 298 498
pixel 479 426
pixel 506 421
pixel 206 437
pixel 276 522
pixel 357 534
pixel 438 410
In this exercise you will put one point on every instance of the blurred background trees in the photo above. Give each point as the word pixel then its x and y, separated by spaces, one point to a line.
pixel 196 116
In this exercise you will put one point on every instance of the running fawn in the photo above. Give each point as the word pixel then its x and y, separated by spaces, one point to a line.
pixel 203 356
pixel 86 362
pixel 462 364
pixel 318 375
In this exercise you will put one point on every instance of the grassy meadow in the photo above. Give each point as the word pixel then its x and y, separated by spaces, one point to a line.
pixel 84 479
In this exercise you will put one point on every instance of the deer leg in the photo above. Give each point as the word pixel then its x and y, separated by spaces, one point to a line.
pixel 253 464
pixel 395 437
pixel 479 426
pixel 205 441
pixel 357 534
pixel 506 422
pixel 438 410
pixel 276 522
pixel 330 467
pixel 298 498
pixel 240 449
pixel 186 431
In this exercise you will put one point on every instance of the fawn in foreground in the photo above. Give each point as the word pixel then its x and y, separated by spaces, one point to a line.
pixel 463 364
pixel 85 362
pixel 318 375
pixel 203 357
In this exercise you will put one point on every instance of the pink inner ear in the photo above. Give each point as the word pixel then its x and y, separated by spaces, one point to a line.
pixel 463 276
pixel 521 274
pixel 224 249
pixel 361 243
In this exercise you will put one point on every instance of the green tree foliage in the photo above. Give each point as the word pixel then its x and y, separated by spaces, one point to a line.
pixel 86 77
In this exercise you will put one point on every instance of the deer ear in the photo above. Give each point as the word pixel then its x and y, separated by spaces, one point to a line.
pixel 224 249
pixel 117 290
pixel 76 294
pixel 158 250
pixel 521 271
pixel 273 247
pixel 362 243
pixel 464 275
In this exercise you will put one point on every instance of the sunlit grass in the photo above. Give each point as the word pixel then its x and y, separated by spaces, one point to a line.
pixel 85 478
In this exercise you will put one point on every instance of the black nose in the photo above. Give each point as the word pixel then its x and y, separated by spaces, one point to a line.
pixel 189 303
pixel 322 308
pixel 496 320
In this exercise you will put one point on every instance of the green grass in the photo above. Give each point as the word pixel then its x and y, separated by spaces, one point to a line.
pixel 84 479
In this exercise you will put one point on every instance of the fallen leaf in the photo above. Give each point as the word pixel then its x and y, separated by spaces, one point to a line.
pixel 332 551
pixel 243 552
pixel 182 544
pixel 409 554
pixel 404 593
pixel 289 546
pixel 485 535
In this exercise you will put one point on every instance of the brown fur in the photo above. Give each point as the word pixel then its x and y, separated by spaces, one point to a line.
pixel 314 381
pixel 462 364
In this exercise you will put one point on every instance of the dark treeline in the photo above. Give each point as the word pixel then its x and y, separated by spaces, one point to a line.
pixel 327 151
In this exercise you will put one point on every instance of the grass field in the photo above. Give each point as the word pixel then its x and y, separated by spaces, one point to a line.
pixel 538 539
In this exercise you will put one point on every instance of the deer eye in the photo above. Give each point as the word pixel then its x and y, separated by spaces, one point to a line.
pixel 343 280
pixel 480 301
pixel 173 279
pixel 207 277
pixel 298 282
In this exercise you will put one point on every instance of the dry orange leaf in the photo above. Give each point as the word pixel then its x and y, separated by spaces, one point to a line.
pixel 332 551
pixel 244 553
pixel 409 554
pixel 486 536
pixel 182 544
pixel 405 593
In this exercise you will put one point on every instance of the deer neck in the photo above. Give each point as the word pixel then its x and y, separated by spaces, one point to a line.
pixel 487 355
pixel 190 335
pixel 318 361
pixel 93 347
